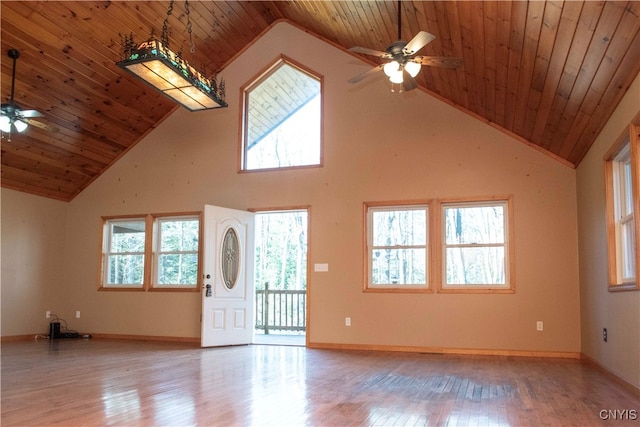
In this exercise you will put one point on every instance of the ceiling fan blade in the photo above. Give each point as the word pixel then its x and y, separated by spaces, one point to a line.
pixel 30 113
pixel 418 42
pixel 408 82
pixel 366 74
pixel 438 61
pixel 367 51
pixel 43 126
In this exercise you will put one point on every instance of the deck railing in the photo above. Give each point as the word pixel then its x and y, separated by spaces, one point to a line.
pixel 281 310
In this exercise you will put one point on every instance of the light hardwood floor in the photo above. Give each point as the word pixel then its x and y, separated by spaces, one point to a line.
pixel 124 383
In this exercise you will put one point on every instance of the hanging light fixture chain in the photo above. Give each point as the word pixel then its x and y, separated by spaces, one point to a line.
pixel 188 12
pixel 164 37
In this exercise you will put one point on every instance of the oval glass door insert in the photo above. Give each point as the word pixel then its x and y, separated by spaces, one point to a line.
pixel 230 258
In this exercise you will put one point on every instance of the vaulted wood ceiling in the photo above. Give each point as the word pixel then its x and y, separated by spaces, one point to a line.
pixel 548 72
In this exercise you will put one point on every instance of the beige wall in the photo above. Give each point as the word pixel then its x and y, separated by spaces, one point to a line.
pixel 619 312
pixel 378 146
pixel 33 248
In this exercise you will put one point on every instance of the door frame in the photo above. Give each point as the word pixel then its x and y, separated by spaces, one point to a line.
pixel 306 208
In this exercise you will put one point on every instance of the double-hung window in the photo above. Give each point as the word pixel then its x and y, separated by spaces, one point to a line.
pixel 474 251
pixel 159 252
pixel 623 208
pixel 621 194
pixel 476 247
pixel 176 252
pixel 397 247
pixel 124 253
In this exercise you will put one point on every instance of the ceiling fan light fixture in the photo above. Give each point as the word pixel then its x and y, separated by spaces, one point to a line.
pixel 20 125
pixel 392 68
pixel 397 77
pixel 401 59
pixel 413 68
pixel 5 124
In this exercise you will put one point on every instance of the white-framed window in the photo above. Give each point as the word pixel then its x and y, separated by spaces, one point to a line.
pixel 397 247
pixel 621 195
pixel 476 246
pixel 124 242
pixel 176 252
pixel 151 252
pixel 282 118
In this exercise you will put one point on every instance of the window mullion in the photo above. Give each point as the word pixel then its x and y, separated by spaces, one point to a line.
pixel 399 247
pixel 475 245
pixel 176 252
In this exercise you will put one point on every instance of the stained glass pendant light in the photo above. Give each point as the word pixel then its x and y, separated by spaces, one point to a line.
pixel 160 67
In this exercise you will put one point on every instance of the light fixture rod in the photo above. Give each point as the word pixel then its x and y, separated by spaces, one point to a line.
pixel 399 19
pixel 14 54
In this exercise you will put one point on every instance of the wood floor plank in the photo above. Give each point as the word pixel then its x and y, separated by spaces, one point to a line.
pixel 100 382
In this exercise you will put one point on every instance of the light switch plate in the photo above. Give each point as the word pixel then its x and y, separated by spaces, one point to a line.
pixel 321 267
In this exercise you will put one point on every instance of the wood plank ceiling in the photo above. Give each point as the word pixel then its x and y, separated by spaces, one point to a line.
pixel 548 72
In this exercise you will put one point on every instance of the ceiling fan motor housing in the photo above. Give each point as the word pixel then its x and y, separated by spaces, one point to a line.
pixel 395 50
pixel 10 109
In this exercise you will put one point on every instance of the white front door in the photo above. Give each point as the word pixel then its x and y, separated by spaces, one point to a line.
pixel 227 282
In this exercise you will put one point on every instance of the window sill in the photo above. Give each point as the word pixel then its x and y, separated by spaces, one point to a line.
pixel 476 291
pixel 624 287
pixel 382 290
pixel 169 289
pixel 118 289
pixel 281 168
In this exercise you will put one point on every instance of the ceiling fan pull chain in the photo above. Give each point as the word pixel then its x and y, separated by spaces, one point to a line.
pixel 187 11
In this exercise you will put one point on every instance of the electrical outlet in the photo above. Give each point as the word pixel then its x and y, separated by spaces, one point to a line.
pixel 47 314
pixel 347 321
pixel 604 334
pixel 77 314
pixel 539 326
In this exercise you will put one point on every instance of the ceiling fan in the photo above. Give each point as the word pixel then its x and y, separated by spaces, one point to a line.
pixel 402 66
pixel 12 116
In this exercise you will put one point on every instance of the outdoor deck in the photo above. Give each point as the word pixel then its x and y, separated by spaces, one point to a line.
pixel 276 339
